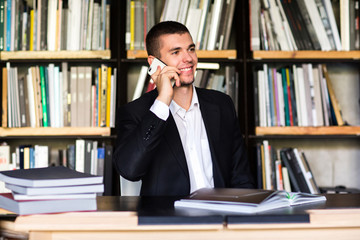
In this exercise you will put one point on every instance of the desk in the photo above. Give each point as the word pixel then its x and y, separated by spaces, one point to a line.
pixel 130 218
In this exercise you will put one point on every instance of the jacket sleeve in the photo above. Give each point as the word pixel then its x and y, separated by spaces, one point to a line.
pixel 139 132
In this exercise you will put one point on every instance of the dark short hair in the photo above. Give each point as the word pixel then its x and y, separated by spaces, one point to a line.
pixel 162 28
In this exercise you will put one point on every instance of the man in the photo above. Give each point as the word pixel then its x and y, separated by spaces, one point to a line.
pixel 178 138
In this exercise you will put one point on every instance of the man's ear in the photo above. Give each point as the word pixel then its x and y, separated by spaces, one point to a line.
pixel 150 59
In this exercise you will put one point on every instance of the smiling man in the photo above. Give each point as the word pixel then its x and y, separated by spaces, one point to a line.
pixel 179 138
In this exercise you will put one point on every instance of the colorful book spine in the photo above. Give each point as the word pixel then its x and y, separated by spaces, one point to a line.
pixel 108 97
pixel 43 96
pixel 31 45
pixel 286 102
pixel 132 24
pixel 103 79
pixel 289 97
pixel 8 25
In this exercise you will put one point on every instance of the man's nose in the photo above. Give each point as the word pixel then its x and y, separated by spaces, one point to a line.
pixel 187 57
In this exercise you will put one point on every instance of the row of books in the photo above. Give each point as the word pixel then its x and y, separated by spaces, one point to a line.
pixel 56 96
pixel 296 95
pixel 208 75
pixel 88 156
pixel 49 190
pixel 209 22
pixel 83 155
pixel 305 25
pixel 54 25
pixel 284 169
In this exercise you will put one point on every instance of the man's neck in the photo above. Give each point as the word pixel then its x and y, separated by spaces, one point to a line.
pixel 183 96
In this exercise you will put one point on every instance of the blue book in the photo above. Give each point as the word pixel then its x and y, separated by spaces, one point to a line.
pixel 8 26
pixel 32 158
pixel 101 161
pixel 271 97
pixel 71 156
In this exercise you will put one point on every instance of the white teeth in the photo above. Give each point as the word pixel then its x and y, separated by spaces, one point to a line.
pixel 185 69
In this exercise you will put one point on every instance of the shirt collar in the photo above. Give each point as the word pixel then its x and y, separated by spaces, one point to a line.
pixel 175 108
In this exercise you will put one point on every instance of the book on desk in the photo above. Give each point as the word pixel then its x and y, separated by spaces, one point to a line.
pixel 245 200
pixel 49 190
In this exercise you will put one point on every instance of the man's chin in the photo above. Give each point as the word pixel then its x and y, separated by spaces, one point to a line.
pixel 186 83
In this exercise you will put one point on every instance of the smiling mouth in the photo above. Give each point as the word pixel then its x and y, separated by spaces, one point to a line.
pixel 185 69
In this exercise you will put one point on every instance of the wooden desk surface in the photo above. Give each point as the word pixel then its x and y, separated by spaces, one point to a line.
pixel 117 218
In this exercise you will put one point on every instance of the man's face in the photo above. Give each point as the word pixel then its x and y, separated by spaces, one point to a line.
pixel 178 50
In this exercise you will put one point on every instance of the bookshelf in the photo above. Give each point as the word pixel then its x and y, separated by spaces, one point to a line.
pixel 332 151
pixel 60 138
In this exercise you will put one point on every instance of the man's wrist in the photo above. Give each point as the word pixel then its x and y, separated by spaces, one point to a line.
pixel 160 109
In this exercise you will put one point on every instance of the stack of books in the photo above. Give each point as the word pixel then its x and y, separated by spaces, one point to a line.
pixel 49 190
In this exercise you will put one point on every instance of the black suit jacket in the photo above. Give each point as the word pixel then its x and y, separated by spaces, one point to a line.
pixel 150 149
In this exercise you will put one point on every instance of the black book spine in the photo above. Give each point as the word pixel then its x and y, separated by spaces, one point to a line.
pixel 297 171
pixel 293 25
pixel 259 167
pixel 108 170
pixel 293 181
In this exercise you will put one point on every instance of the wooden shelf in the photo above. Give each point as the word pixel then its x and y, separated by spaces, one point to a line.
pixel 37 55
pixel 257 55
pixel 333 130
pixel 225 54
pixel 49 131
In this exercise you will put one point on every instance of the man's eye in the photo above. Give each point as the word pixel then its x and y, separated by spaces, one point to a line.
pixel 191 49
pixel 175 52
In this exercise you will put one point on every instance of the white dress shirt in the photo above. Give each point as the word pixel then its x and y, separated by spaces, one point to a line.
pixel 194 139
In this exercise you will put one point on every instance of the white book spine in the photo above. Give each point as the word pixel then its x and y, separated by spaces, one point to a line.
pixel 16 97
pixel 80 155
pixel 297 96
pixel 41 155
pixel 31 97
pixel 307 175
pixel 214 24
pixel 51 25
pixel 345 24
pixel 318 26
pixel 57 91
pixel 202 26
pixel 300 76
pixel 140 83
pixel 333 25
pixel 281 99
pixel 278 26
pixel 51 94
pixel 261 99
pixel 267 95
pixel 267 165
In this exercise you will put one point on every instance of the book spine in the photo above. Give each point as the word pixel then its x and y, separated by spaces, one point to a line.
pixel 2 22
pixel 43 96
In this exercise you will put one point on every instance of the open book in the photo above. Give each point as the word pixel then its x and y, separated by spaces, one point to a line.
pixel 245 200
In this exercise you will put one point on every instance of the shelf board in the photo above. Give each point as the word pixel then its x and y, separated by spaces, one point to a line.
pixel 225 54
pixel 258 55
pixel 23 55
pixel 332 130
pixel 49 131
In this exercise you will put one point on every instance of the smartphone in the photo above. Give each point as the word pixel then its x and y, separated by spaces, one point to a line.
pixel 154 65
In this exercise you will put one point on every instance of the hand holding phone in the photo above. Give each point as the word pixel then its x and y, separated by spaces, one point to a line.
pixel 154 66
